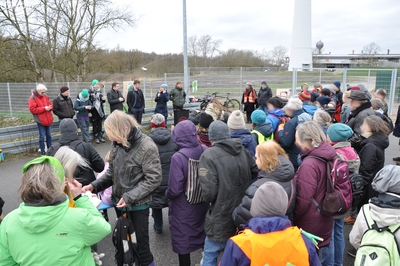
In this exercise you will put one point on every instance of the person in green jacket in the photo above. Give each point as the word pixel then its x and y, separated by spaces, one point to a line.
pixel 44 230
pixel 178 96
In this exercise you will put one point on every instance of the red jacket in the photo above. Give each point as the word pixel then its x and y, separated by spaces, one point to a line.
pixel 36 107
pixel 311 184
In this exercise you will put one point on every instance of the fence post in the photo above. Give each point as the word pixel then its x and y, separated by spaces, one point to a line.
pixel 320 74
pixel 165 78
pixel 345 79
pixel 241 80
pixel 369 75
pixel 9 99
pixel 294 81
pixel 392 90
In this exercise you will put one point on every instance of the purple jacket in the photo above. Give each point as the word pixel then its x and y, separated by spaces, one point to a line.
pixel 311 184
pixel 186 221
pixel 234 256
pixel 105 194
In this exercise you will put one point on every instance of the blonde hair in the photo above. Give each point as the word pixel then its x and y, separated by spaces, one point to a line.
pixel 267 153
pixel 118 125
pixel 322 117
pixel 40 182
pixel 107 157
pixel 311 131
pixel 70 159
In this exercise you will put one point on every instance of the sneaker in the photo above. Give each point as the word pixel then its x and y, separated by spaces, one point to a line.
pixel 349 220
pixel 396 159
pixel 352 252
pixel 97 141
pixel 157 231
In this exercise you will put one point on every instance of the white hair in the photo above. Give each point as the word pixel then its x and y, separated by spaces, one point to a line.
pixel 322 117
pixel 41 87
pixel 294 104
pixel 70 159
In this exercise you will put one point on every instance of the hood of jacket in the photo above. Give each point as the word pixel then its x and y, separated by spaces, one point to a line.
pixel 244 135
pixel 267 224
pixel 35 219
pixel 185 135
pixel 324 151
pixel 385 209
pixel 387 180
pixel 304 117
pixel 160 135
pixel 380 140
pixel 265 129
pixel 277 112
pixel 232 146
pixel 284 172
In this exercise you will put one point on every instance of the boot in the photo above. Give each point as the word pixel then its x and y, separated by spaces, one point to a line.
pixel 101 137
pixel 96 138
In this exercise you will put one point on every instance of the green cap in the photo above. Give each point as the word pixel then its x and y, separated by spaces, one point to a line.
pixel 57 166
pixel 95 82
pixel 85 93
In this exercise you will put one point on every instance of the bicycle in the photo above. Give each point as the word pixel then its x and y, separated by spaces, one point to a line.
pixel 229 104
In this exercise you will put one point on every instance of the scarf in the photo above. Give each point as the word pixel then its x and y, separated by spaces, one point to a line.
pixel 97 101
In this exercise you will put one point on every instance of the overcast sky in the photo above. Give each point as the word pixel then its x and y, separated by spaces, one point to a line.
pixel 343 25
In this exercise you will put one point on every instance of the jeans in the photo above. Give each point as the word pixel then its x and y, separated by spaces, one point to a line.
pixel 140 221
pixel 84 126
pixel 44 132
pixel 263 108
pixel 158 218
pixel 333 254
pixel 137 113
pixel 212 250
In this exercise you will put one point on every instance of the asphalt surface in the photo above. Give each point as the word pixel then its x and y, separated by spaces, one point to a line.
pixel 10 173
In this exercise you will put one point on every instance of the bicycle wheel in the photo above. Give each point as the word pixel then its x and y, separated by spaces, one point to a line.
pixel 233 105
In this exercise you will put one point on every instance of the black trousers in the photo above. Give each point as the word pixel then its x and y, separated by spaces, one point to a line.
pixel 137 114
pixel 184 259
pixel 249 108
pixel 97 126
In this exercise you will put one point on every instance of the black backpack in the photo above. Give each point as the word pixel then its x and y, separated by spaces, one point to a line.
pixel 388 122
pixel 125 249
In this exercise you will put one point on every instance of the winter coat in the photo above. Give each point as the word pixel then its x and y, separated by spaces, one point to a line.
pixel 226 170
pixel 287 136
pixel 265 129
pixel 283 175
pixel 186 220
pixel 113 99
pixel 84 175
pixel 63 107
pixel 311 184
pixel 36 104
pixel 204 139
pixel 166 148
pixel 93 96
pixel 79 106
pixel 133 172
pixel 372 155
pixel 234 256
pixel 357 116
pixel 161 107
pixel 273 117
pixel 384 210
pixel 105 194
pixel 132 100
pixel 264 94
pixel 178 97
pixel 346 153
pixel 396 131
pixel 247 139
pixel 52 234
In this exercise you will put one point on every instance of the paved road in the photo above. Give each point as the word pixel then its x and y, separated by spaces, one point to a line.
pixel 10 173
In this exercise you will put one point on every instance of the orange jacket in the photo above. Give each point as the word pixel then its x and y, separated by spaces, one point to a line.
pixel 251 98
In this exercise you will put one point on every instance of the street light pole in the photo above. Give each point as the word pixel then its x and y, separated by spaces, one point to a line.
pixel 185 55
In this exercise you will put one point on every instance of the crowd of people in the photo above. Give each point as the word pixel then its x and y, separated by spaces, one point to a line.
pixel 252 196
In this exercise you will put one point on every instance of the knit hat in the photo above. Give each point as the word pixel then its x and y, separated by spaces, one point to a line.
pixel 236 120
pixel 270 199
pixel 377 103
pixel 276 102
pixel 304 96
pixel 165 86
pixel 294 104
pixel 355 88
pixel 85 93
pixel 68 126
pixel 205 120
pixel 258 117
pixel 218 130
pixel 264 82
pixel 95 82
pixel 339 132
pixel 64 89
pixel 157 120
pixel 337 84
pixel 323 100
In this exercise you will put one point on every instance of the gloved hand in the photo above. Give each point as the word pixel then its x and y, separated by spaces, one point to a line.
pixel 97 258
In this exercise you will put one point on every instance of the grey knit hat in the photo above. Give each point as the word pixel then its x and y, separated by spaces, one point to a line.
pixel 68 126
pixel 236 120
pixel 218 130
pixel 270 199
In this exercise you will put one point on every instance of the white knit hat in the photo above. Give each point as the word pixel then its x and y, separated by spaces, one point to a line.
pixel 236 120
pixel 294 104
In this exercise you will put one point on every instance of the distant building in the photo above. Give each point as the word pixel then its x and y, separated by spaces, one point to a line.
pixel 355 60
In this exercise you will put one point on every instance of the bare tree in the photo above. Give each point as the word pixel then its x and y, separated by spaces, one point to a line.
pixel 278 55
pixel 371 49
pixel 204 46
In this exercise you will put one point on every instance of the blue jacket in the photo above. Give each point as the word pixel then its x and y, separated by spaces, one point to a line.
pixel 234 256
pixel 80 105
pixel 161 101
pixel 273 118
pixel 247 139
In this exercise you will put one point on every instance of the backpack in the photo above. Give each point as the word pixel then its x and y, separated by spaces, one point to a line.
pixel 282 120
pixel 378 245
pixel 338 196
pixel 193 189
pixel 388 122
pixel 122 238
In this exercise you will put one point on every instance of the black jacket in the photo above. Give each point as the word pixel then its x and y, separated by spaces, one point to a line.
pixel 113 99
pixel 372 155
pixel 264 95
pixel 226 170
pixel 166 148
pixel 357 116
pixel 133 97
pixel 84 175
pixel 283 175
pixel 63 107
pixel 396 131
